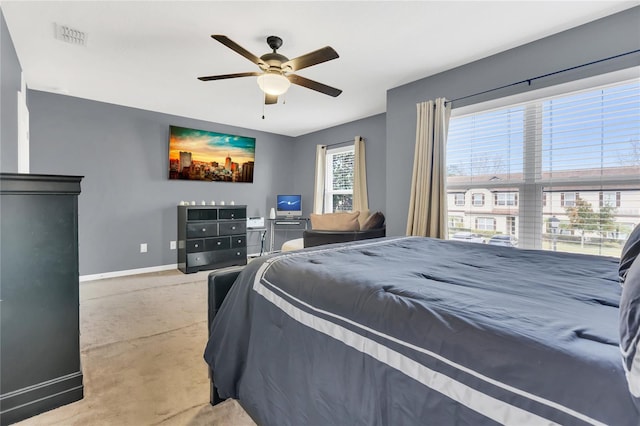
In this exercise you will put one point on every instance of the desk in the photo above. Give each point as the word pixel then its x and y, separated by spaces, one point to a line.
pixel 284 225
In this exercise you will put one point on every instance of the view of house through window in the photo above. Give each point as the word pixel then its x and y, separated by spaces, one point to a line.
pixel 339 180
pixel 561 173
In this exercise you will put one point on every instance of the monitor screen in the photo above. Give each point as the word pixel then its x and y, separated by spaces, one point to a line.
pixel 289 205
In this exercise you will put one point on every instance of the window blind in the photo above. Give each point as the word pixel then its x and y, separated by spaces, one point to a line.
pixel 571 160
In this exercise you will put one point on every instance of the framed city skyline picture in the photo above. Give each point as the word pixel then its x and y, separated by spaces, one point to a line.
pixel 209 156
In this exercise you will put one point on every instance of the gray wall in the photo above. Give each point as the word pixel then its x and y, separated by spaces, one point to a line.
pixel 9 86
pixel 600 39
pixel 127 198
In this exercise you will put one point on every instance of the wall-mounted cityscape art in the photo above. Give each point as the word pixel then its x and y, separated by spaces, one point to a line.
pixel 210 156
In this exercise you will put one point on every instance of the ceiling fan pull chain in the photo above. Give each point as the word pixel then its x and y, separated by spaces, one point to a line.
pixel 265 97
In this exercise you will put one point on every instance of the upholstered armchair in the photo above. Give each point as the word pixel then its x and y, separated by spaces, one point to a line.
pixel 342 228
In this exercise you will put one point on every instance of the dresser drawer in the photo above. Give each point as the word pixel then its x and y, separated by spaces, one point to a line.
pixel 199 259
pixel 194 246
pixel 238 241
pixel 240 213
pixel 202 229
pixel 220 243
pixel 231 255
pixel 233 227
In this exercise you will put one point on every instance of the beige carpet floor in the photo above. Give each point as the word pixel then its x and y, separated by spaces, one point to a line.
pixel 142 339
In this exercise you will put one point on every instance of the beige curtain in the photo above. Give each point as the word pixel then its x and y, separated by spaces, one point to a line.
pixel 318 196
pixel 360 200
pixel 428 204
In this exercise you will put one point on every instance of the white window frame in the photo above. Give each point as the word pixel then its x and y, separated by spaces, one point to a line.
pixel 458 199
pixel 491 221
pixel 329 192
pixel 610 199
pixel 477 199
pixel 509 199
pixel 571 201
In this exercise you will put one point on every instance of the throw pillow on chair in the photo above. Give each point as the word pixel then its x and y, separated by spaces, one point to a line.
pixel 335 221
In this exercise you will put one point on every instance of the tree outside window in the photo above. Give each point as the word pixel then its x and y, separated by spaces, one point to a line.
pixel 582 218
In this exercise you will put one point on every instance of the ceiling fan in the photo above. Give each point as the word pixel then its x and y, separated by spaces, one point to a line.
pixel 277 71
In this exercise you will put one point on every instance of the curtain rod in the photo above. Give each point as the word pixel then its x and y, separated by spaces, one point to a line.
pixel 529 80
pixel 340 143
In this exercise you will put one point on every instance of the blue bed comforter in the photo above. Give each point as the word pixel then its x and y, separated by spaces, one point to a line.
pixel 418 331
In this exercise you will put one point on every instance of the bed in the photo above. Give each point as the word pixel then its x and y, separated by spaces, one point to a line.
pixel 420 331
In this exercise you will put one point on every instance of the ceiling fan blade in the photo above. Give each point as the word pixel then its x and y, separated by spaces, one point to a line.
pixel 237 48
pixel 314 85
pixel 313 58
pixel 270 99
pixel 224 76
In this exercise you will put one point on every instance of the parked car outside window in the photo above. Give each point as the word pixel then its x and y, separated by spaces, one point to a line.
pixel 503 240
pixel 469 237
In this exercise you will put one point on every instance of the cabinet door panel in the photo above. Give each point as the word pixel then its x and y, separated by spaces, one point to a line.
pixel 40 298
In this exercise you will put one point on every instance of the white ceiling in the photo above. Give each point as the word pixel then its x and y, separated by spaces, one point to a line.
pixel 147 54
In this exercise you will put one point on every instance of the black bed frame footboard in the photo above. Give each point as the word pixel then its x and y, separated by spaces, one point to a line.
pixel 219 284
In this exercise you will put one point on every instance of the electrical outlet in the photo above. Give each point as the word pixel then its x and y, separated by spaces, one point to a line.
pixel 172 245
pixel 143 248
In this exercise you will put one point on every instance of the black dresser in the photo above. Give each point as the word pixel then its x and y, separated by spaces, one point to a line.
pixel 39 293
pixel 211 237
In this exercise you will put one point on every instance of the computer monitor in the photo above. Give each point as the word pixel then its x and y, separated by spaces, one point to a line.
pixel 289 205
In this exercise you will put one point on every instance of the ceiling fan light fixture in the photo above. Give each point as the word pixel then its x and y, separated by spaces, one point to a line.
pixel 273 83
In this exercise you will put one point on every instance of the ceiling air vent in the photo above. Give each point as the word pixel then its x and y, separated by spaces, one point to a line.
pixel 71 35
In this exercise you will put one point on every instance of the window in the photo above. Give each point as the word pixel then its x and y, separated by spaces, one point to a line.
pixel 478 200
pixel 459 199
pixel 511 225
pixel 455 222
pixel 572 159
pixel 610 199
pixel 568 199
pixel 338 195
pixel 505 199
pixel 485 224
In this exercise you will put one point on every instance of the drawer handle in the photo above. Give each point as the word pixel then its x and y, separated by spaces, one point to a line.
pixel 233 228
pixel 219 242
pixel 238 253
pixel 204 229
pixel 197 258
pixel 239 241
pixel 232 215
pixel 195 245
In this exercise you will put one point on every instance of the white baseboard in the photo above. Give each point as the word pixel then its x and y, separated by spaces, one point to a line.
pixel 115 274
